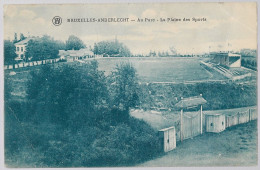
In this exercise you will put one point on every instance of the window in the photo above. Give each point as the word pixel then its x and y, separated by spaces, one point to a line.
pixel 211 124
pixel 17 49
pixel 21 48
pixel 222 123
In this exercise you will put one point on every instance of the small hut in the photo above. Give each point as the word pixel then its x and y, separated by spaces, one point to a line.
pixel 168 138
pixel 215 123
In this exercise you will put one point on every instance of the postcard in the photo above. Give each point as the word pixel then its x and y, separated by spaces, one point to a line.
pixel 130 85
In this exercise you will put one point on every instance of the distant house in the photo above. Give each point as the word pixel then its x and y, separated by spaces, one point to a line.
pixel 21 49
pixel 72 55
pixel 226 59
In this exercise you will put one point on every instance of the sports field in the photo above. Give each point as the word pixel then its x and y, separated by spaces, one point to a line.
pixel 163 69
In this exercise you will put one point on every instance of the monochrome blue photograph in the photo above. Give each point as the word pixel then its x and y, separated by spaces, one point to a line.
pixel 130 85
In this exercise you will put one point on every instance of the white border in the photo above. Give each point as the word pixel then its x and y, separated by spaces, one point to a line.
pixel 2 2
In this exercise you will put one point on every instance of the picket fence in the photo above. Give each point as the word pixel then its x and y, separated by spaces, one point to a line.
pixel 31 63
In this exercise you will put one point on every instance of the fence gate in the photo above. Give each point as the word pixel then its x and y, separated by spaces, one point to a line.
pixel 191 125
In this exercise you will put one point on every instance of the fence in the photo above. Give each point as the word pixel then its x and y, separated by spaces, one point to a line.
pixel 191 124
pixel 32 63
pixel 253 114
pixel 241 117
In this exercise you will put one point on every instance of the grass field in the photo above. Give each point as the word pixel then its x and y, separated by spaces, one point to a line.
pixel 163 69
pixel 236 146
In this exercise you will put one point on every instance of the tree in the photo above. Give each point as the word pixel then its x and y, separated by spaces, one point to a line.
pixel 43 48
pixel 124 87
pixel 74 43
pixel 22 37
pixel 68 94
pixel 15 38
pixel 9 52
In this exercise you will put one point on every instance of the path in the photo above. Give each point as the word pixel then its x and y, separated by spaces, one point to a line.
pixel 236 146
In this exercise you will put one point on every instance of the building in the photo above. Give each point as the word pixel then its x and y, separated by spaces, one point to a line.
pixel 21 49
pixel 215 123
pixel 167 138
pixel 226 59
pixel 72 55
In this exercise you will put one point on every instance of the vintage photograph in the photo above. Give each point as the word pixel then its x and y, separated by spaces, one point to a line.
pixel 130 85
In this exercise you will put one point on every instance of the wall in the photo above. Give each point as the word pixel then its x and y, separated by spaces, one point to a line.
pixel 243 117
pixel 236 64
pixel 231 120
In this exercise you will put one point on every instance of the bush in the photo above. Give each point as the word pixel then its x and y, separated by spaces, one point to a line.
pixel 218 95
pixel 72 119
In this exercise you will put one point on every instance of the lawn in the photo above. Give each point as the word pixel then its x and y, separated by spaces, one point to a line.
pixel 236 146
pixel 163 69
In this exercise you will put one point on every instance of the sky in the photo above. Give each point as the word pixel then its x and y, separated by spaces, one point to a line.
pixel 228 26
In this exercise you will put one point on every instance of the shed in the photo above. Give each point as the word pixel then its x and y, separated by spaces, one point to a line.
pixel 215 123
pixel 167 138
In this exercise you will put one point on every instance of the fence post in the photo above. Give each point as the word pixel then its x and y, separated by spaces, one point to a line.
pixel 249 113
pixel 191 127
pixel 238 118
pixel 201 119
pixel 181 135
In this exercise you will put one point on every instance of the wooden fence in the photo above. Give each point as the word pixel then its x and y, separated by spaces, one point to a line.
pixel 31 63
pixel 241 117
pixel 191 124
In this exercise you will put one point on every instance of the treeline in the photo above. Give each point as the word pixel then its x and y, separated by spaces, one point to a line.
pixel 75 116
pixel 41 48
pixel 249 62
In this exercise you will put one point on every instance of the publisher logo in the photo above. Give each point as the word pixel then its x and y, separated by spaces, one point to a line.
pixel 56 20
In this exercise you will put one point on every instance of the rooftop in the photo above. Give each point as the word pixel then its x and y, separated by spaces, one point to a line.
pixel 24 42
pixel 81 52
pixel 230 54
pixel 191 101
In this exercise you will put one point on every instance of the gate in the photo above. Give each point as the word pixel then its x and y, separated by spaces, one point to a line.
pixel 191 125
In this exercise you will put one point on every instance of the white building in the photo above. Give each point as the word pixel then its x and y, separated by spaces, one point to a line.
pixel 72 55
pixel 21 49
